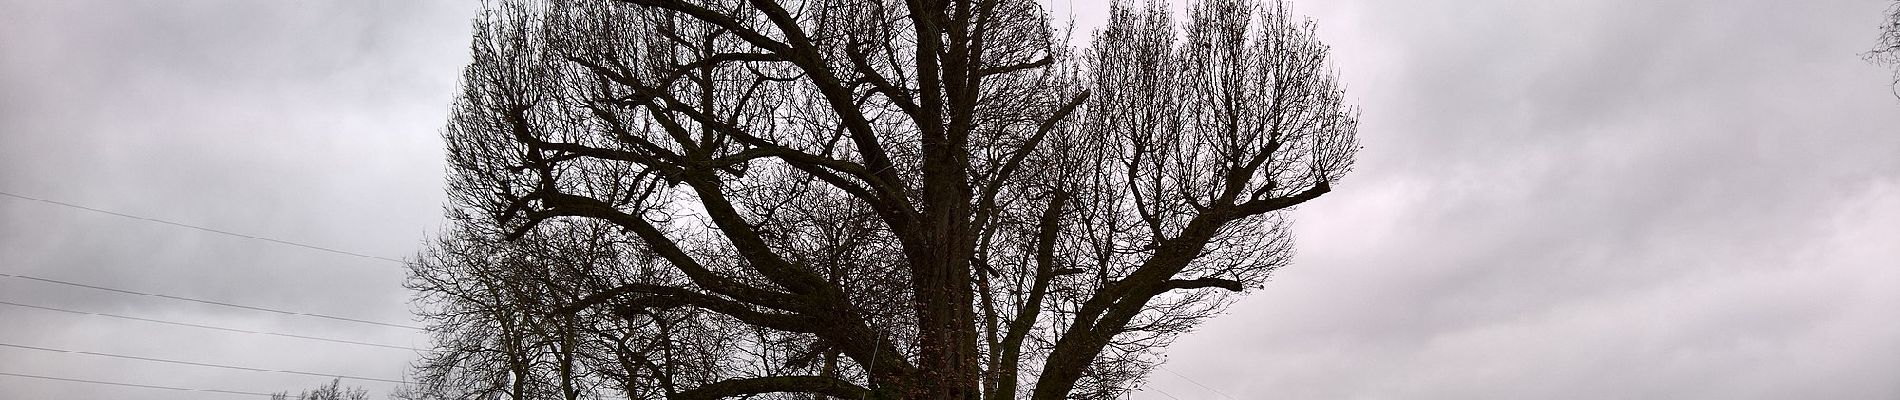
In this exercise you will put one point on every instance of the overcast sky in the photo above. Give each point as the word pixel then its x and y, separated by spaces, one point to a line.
pixel 1578 199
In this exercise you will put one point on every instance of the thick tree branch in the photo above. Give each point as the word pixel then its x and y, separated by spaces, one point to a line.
pixel 718 19
pixel 1262 206
pixel 986 198
pixel 1006 367
pixel 1202 283
pixel 773 384
pixel 667 296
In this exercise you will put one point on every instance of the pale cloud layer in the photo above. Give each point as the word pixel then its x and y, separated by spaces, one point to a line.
pixel 1558 200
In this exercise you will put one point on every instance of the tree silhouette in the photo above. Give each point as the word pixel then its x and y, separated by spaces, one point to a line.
pixel 1887 50
pixel 925 199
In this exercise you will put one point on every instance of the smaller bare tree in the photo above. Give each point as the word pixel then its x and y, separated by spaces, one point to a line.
pixel 333 391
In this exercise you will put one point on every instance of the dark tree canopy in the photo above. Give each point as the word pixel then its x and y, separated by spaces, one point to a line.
pixel 919 199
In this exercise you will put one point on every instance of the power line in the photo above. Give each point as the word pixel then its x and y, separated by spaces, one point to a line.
pixel 1162 392
pixel 217 303
pixel 186 324
pixel 161 360
pixel 135 385
pixel 1196 383
pixel 222 232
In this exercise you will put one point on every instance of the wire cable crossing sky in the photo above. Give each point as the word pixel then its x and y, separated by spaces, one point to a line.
pixel 199 364
pixel 136 385
pixel 216 303
pixel 217 231
pixel 217 328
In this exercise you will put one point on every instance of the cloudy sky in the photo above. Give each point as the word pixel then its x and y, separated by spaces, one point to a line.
pixel 1558 200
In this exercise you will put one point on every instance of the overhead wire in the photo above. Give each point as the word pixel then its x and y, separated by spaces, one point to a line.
pixel 202 301
pixel 212 230
pixel 200 364
pixel 201 326
pixel 1162 392
pixel 217 303
pixel 1196 383
pixel 238 392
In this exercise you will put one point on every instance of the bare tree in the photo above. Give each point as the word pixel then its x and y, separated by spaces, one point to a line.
pixel 925 199
pixel 332 391
pixel 1887 50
